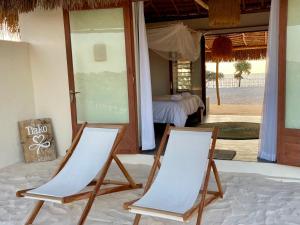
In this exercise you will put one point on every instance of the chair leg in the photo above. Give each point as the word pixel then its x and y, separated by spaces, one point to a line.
pixel 124 171
pixel 87 209
pixel 217 177
pixel 137 219
pixel 35 212
pixel 200 211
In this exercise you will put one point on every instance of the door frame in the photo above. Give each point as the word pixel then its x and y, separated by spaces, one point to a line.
pixel 203 72
pixel 130 142
pixel 288 140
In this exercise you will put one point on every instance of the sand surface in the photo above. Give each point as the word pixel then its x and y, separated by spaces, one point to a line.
pixel 249 199
pixel 237 95
pixel 236 109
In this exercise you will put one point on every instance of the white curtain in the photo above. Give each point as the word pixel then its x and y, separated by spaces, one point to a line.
pixel 147 127
pixel 268 130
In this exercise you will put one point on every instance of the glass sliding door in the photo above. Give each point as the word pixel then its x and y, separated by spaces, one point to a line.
pixel 288 148
pixel 101 74
pixel 292 119
pixel 99 64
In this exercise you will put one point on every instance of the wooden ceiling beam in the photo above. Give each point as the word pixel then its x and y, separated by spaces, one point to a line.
pixel 175 7
pixel 249 48
pixel 155 9
pixel 266 38
pixel 244 39
pixel 192 9
pixel 243 4
pixel 202 3
pixel 235 31
pixel 147 3
pixel 244 48
pixel 197 7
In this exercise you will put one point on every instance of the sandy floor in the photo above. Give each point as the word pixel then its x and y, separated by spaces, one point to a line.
pixel 238 104
pixel 242 95
pixel 246 150
pixel 233 109
pixel 250 199
pixel 232 118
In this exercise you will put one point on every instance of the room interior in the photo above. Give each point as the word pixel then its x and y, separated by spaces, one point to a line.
pixel 36 84
pixel 254 16
pixel 253 27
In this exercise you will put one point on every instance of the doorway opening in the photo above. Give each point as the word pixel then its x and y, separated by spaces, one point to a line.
pixel 234 96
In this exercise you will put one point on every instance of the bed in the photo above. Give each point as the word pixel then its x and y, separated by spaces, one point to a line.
pixel 175 109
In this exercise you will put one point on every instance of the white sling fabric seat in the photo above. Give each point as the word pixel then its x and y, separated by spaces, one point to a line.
pixel 182 173
pixel 81 174
pixel 88 158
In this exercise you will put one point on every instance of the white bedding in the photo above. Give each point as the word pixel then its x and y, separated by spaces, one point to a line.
pixel 166 110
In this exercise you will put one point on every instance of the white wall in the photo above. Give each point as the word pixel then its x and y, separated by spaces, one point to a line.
pixel 44 31
pixel 160 80
pixel 16 98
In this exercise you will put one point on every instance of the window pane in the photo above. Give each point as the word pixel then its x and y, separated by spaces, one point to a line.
pixel 183 71
pixel 99 62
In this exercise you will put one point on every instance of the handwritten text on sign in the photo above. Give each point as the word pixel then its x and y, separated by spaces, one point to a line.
pixel 37 140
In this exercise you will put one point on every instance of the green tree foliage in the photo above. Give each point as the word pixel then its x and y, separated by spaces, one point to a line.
pixel 210 76
pixel 241 67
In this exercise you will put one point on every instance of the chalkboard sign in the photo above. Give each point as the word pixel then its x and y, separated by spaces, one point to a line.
pixel 37 140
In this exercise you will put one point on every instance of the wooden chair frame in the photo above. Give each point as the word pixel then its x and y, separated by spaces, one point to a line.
pixel 204 200
pixel 96 184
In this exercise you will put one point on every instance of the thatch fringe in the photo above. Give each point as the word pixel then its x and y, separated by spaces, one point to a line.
pixel 246 54
pixel 23 6
pixel 221 48
pixel 10 21
pixel 10 9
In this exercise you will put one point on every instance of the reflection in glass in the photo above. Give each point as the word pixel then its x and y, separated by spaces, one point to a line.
pixel 99 62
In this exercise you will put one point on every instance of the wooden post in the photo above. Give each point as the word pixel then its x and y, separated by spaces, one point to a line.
pixel 217 83
pixel 203 71
pixel 171 77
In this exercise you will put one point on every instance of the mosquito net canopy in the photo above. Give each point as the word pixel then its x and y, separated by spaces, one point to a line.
pixel 175 42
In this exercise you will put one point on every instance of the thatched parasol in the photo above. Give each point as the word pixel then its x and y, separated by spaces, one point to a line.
pixel 221 51
pixel 10 9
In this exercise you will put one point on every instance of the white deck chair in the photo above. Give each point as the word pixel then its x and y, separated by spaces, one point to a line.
pixel 185 168
pixel 91 152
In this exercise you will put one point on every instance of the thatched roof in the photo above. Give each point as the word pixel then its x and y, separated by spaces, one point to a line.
pixel 10 9
pixel 246 46
pixel 174 10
